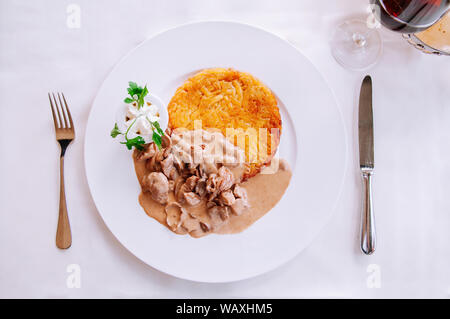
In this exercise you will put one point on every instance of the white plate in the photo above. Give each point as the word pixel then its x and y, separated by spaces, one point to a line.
pixel 313 141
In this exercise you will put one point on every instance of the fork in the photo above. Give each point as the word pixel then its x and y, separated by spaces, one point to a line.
pixel 65 133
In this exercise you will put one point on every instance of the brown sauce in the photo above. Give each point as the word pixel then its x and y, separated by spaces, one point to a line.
pixel 264 191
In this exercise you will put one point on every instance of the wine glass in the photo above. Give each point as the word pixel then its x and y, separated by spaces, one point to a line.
pixel 357 44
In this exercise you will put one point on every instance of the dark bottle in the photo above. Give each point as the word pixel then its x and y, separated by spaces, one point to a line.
pixel 409 16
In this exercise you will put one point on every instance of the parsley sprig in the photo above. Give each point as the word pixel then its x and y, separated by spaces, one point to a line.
pixel 158 133
pixel 137 142
pixel 137 95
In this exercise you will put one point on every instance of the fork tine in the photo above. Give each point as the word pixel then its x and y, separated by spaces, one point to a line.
pixel 67 109
pixel 61 124
pixel 62 110
pixel 53 112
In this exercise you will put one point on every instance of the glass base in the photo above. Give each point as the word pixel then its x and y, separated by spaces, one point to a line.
pixel 355 46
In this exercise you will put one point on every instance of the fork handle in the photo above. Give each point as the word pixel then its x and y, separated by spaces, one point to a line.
pixel 63 233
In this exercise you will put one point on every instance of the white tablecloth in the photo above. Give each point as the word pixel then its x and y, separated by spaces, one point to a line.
pixel 42 49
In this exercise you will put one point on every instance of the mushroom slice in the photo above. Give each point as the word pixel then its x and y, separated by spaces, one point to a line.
pixel 192 181
pixel 195 228
pixel 191 198
pixel 211 183
pixel 178 183
pixel 201 172
pixel 159 156
pixel 167 165
pixel 240 192
pixel 151 164
pixel 167 151
pixel 218 215
pixel 227 198
pixel 200 188
pixel 192 168
pixel 179 165
pixel 180 194
pixel 175 215
pixel 239 206
pixel 212 196
pixel 173 175
pixel 166 141
pixel 148 152
pixel 190 224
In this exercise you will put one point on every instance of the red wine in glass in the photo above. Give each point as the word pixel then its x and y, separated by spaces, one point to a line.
pixel 409 16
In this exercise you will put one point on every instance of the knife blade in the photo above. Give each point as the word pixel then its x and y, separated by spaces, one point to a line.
pixel 366 163
pixel 365 124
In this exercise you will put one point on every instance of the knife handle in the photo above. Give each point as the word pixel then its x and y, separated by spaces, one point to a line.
pixel 368 236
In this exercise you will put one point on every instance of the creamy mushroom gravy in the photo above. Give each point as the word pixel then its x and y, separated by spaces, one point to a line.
pixel 256 195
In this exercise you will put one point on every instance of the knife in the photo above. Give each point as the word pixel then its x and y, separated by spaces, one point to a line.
pixel 366 163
